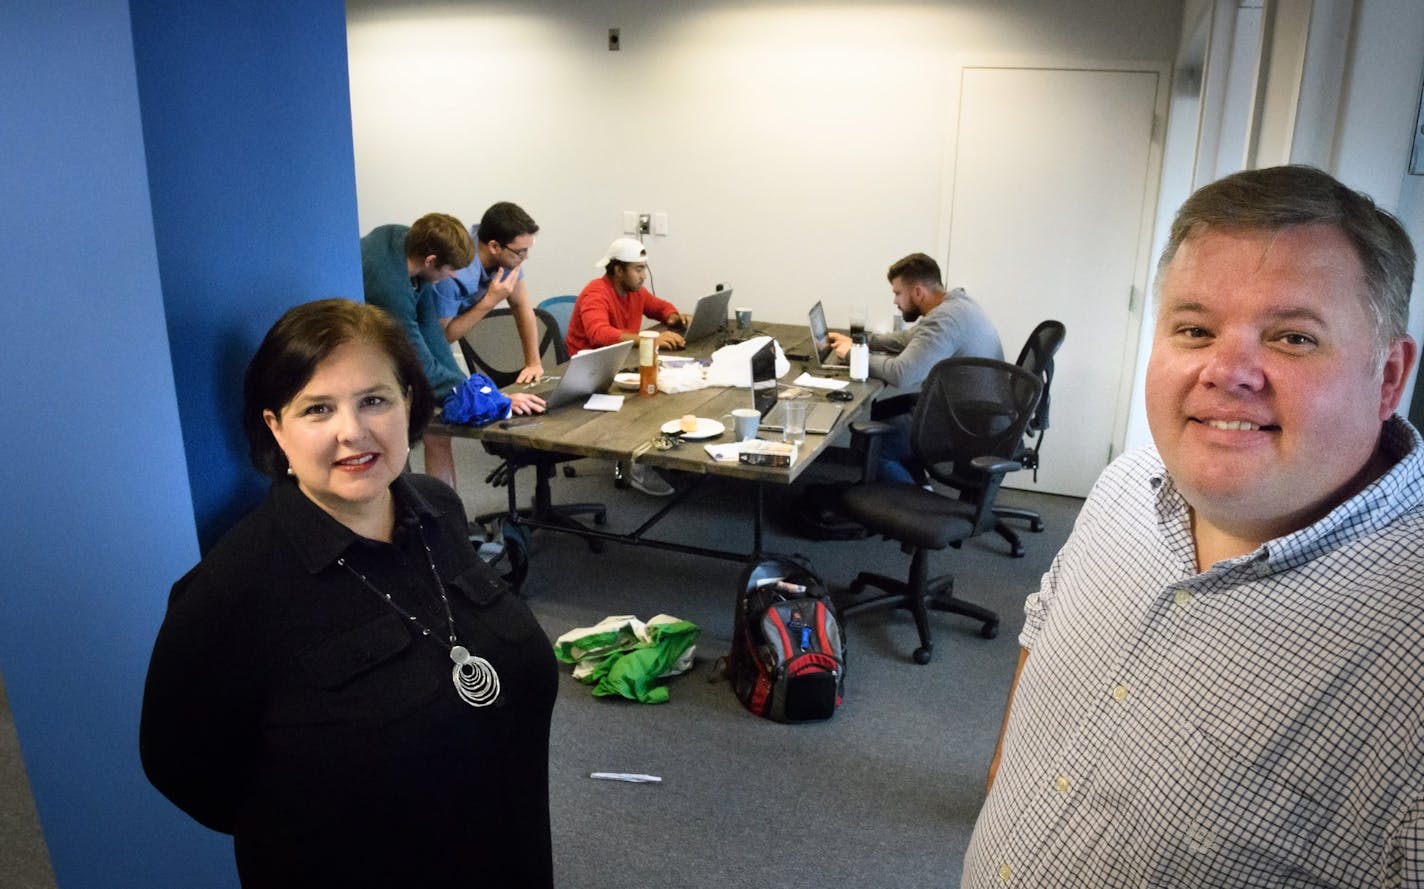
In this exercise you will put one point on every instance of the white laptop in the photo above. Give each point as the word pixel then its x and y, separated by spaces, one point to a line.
pixel 587 372
pixel 822 353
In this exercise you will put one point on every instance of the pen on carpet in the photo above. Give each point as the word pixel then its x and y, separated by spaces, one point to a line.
pixel 627 777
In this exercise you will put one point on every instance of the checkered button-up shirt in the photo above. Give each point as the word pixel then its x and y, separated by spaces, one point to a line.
pixel 1260 723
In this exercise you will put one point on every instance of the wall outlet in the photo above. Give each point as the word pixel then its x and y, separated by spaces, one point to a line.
pixel 660 224
pixel 645 223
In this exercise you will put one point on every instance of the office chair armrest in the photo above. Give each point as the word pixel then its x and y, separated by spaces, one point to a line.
pixel 865 436
pixel 995 465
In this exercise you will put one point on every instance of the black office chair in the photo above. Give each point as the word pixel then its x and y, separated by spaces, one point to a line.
pixel 1036 357
pixel 493 348
pixel 971 412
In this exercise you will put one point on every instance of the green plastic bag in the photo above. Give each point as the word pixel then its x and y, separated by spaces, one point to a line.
pixel 624 656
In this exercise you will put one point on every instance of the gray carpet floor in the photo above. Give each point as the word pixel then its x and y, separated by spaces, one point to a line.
pixel 882 795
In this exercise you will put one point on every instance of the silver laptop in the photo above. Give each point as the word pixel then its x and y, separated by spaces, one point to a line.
pixel 587 372
pixel 822 353
pixel 709 317
pixel 821 416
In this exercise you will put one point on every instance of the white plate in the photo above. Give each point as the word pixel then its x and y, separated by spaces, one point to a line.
pixel 626 381
pixel 705 429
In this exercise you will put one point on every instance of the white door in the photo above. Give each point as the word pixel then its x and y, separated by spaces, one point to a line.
pixel 1048 215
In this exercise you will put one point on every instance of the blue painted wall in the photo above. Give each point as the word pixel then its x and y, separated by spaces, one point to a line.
pixel 173 175
pixel 247 122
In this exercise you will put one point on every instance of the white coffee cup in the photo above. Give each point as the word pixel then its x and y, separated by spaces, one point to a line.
pixel 745 422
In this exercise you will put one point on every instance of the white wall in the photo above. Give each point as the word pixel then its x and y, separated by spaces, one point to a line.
pixel 798 148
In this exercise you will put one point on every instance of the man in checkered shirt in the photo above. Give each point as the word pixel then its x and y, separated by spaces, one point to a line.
pixel 1222 681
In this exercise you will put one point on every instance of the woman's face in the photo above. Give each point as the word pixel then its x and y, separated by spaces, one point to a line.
pixel 345 432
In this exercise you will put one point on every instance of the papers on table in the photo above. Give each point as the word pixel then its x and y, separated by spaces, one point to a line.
pixel 598 401
pixel 814 382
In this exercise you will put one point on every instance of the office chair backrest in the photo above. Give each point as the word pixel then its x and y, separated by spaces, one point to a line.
pixel 492 346
pixel 969 408
pixel 1037 358
pixel 562 308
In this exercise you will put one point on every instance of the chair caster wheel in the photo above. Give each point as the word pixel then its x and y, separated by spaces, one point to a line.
pixel 1035 526
pixel 923 654
pixel 989 631
pixel 1016 553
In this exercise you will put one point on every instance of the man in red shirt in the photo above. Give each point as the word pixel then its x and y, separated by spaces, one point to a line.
pixel 612 308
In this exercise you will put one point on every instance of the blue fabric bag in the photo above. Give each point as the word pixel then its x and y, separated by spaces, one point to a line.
pixel 476 401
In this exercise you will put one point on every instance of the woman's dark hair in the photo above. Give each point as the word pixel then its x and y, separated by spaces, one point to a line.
pixel 302 339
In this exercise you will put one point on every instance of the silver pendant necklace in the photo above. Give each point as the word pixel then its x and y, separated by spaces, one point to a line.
pixel 475 678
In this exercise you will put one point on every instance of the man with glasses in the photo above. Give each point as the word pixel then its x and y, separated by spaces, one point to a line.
pixel 401 267
pixel 502 241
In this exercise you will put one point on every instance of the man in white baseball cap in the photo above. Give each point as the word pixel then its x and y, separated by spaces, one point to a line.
pixel 611 308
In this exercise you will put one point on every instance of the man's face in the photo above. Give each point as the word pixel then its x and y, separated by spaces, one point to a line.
pixel 1262 391
pixel 630 276
pixel 509 256
pixel 907 298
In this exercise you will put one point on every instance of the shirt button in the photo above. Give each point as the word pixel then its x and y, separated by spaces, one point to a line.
pixel 1061 784
pixel 1119 693
pixel 1006 873
pixel 1183 598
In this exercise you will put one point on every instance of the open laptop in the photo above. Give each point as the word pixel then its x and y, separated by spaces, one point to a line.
pixel 822 354
pixel 709 316
pixel 821 416
pixel 587 372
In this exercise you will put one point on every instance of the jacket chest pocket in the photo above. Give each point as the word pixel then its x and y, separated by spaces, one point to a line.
pixel 373 672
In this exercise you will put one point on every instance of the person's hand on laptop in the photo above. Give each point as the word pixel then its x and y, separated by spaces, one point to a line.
pixel 678 320
pixel 530 374
pixel 524 403
pixel 840 343
pixel 670 340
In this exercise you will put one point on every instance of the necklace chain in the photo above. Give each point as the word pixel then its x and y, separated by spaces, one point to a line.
pixel 439 586
pixel 476 680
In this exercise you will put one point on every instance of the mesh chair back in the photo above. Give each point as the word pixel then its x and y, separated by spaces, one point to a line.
pixel 492 346
pixel 562 308
pixel 1037 358
pixel 968 408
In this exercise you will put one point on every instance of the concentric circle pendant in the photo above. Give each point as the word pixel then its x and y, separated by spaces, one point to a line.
pixel 475 678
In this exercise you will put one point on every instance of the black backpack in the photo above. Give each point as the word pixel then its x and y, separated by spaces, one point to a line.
pixel 788 647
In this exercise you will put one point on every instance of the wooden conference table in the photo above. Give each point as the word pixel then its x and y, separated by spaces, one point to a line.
pixel 632 432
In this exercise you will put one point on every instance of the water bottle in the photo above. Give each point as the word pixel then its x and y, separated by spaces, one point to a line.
pixel 859 358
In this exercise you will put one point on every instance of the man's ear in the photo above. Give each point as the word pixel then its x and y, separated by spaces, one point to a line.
pixel 431 262
pixel 1398 363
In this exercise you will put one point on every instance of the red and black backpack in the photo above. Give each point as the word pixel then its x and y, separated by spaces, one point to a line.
pixel 788 647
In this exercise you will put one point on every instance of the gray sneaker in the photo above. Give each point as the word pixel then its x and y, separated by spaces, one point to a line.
pixel 647 480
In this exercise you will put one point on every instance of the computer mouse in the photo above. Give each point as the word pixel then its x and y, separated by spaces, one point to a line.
pixel 840 395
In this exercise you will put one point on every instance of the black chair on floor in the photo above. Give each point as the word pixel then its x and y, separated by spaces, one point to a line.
pixel 1036 357
pixel 971 412
pixel 493 348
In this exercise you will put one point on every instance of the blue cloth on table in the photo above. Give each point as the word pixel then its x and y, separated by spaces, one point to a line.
pixel 476 401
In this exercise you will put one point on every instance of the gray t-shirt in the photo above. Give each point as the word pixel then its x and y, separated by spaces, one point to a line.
pixel 954 328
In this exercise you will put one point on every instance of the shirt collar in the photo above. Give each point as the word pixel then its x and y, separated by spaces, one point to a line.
pixel 1399 490
pixel 320 539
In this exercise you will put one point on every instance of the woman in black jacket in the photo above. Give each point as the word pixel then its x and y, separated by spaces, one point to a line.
pixel 341 683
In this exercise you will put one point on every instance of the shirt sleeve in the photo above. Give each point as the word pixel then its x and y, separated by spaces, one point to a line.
pixel 197 731
pixel 929 341
pixel 656 308
pixel 599 317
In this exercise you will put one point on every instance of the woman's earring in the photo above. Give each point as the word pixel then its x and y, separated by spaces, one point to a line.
pixel 289 471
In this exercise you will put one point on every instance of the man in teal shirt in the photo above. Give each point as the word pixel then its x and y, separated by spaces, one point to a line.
pixel 400 266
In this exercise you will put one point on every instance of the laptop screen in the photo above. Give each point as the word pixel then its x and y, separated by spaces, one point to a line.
pixel 709 316
pixel 764 377
pixel 819 340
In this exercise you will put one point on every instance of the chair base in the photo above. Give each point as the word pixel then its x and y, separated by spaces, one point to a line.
pixel 918 595
pixel 543 509
pixel 1035 524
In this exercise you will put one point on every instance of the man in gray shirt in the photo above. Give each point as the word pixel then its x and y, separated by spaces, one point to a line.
pixel 950 325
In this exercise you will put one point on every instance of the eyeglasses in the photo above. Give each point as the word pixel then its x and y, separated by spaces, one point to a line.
pixel 522 254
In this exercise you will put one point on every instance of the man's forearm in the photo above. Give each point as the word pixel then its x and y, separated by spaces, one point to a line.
pixel 457 327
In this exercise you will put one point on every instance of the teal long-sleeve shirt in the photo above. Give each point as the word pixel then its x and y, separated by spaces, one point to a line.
pixel 388 285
